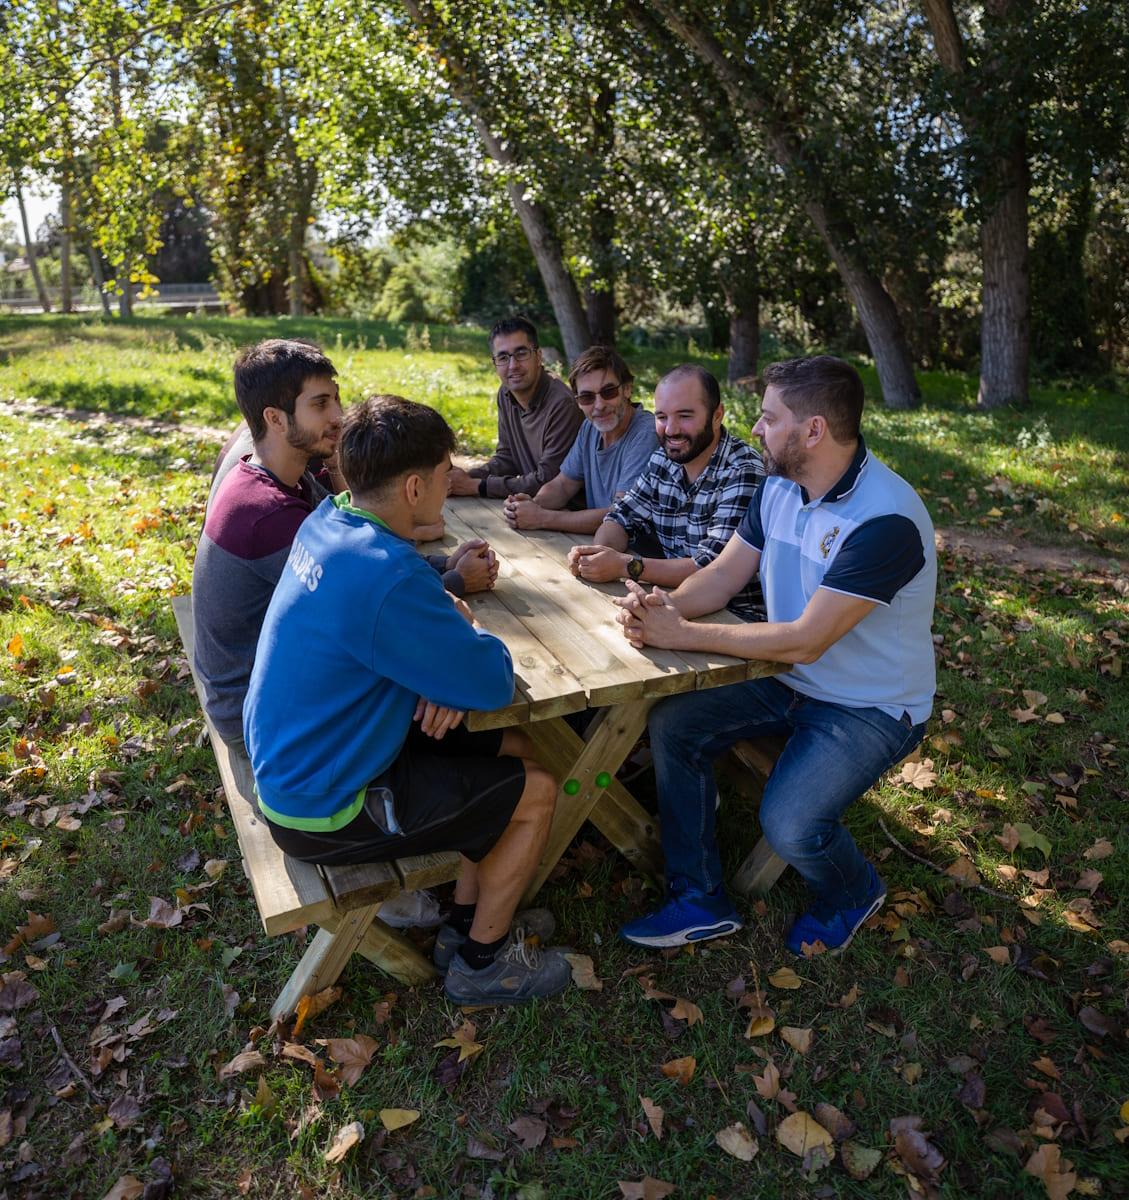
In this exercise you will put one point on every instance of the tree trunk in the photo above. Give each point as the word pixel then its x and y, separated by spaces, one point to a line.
pixel 1002 184
pixel 32 261
pixel 125 300
pixel 535 220
pixel 876 310
pixel 296 283
pixel 99 279
pixel 1005 329
pixel 744 339
pixel 601 316
pixel 66 236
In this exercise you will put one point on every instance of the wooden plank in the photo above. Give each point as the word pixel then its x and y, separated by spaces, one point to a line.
pixel 395 954
pixel 760 870
pixel 759 755
pixel 427 870
pixel 581 630
pixel 289 893
pixel 325 959
pixel 358 884
pixel 612 735
pixel 616 813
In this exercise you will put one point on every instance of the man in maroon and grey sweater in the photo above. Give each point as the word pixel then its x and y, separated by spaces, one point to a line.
pixel 538 419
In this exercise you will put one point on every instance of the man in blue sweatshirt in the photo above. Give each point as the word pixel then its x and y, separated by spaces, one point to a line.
pixel 373 764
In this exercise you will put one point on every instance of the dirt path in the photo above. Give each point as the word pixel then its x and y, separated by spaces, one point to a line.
pixel 973 544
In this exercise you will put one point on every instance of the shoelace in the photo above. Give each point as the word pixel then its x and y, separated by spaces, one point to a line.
pixel 521 952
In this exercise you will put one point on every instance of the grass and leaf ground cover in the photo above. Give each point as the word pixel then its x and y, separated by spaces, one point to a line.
pixel 972 1041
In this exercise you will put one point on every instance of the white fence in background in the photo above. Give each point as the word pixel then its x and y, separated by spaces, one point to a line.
pixel 87 299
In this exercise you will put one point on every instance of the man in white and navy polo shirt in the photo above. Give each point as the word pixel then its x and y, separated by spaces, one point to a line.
pixel 845 553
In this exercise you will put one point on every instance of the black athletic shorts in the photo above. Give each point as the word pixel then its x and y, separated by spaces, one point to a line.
pixel 452 794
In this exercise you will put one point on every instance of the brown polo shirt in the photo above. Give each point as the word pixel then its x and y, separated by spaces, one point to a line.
pixel 533 441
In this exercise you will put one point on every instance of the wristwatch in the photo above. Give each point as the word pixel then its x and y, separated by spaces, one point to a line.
pixel 635 568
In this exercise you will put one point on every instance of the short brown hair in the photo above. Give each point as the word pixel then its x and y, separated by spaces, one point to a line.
pixel 822 386
pixel 272 374
pixel 385 436
pixel 711 389
pixel 599 358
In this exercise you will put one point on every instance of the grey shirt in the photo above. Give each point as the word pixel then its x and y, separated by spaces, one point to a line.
pixel 606 473
pixel 533 441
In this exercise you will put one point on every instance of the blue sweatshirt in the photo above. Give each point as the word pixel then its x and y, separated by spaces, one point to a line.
pixel 358 629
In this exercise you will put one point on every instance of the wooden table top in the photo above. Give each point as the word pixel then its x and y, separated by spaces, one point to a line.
pixel 568 649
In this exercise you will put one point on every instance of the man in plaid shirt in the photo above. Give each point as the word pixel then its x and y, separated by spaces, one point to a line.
pixel 690 499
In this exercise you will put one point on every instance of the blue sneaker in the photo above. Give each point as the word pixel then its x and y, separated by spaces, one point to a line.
pixel 835 927
pixel 689 915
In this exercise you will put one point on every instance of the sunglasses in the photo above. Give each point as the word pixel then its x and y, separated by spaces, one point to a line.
pixel 608 392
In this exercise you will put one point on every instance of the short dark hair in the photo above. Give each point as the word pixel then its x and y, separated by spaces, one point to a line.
pixel 385 436
pixel 822 386
pixel 599 358
pixel 711 389
pixel 514 325
pixel 272 374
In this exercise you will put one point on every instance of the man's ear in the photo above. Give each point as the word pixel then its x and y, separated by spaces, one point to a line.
pixel 817 429
pixel 410 487
pixel 274 418
pixel 718 415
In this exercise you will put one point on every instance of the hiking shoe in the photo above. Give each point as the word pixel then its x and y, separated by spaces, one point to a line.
pixel 530 922
pixel 689 915
pixel 835 927
pixel 521 972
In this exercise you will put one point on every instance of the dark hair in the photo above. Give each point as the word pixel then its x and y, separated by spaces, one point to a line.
pixel 384 437
pixel 823 386
pixel 599 358
pixel 514 325
pixel 711 389
pixel 272 374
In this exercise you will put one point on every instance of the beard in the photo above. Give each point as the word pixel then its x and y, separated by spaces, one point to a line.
pixel 693 447
pixel 307 440
pixel 790 460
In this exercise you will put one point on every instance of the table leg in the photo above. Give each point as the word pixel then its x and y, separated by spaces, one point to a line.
pixel 610 738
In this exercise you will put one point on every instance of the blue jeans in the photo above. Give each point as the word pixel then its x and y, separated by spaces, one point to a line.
pixel 833 755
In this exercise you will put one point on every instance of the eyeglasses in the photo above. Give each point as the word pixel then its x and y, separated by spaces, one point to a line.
pixel 608 392
pixel 520 355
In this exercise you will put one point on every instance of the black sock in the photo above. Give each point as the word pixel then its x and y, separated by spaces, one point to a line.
pixel 478 955
pixel 461 917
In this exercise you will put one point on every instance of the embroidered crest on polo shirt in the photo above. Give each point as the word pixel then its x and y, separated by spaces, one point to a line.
pixel 827 541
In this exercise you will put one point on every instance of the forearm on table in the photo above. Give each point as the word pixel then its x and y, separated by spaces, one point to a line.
pixel 611 533
pixel 669 572
pixel 565 520
pixel 775 641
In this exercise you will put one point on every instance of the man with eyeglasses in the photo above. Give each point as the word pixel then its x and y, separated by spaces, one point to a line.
pixel 537 419
pixel 610 452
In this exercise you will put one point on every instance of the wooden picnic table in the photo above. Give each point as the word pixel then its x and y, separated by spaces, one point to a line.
pixel 569 654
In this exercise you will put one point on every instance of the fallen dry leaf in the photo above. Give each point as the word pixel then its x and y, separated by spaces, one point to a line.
pixel 647 1188
pixel 761 1022
pixel 799 1039
pixel 584 973
pixel 738 1141
pixel 37 926
pixel 963 870
pixel 686 1010
pixel 1102 848
pixel 1000 955
pixel 309 1007
pixel 530 1131
pixel 301 1053
pixel 918 774
pixel 215 867
pixel 126 1188
pixel 681 1070
pixel 354 1054
pixel 785 978
pixel 162 915
pixel 247 1060
pixel 859 1161
pixel 801 1132
pixel 463 1040
pixel 1056 1172
pixel 397 1118
pixel 344 1140
pixel 654 1115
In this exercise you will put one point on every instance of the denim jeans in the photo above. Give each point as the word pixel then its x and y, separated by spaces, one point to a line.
pixel 832 756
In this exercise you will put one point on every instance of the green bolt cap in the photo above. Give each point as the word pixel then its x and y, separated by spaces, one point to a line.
pixel 571 787
pixel 603 780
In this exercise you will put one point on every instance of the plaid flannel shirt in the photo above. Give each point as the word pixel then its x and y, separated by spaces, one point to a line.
pixel 695 520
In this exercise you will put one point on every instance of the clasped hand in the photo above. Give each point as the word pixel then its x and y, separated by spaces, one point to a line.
pixel 522 512
pixel 597 564
pixel 435 719
pixel 476 563
pixel 649 618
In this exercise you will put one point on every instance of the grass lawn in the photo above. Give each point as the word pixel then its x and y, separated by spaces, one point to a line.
pixel 967 1035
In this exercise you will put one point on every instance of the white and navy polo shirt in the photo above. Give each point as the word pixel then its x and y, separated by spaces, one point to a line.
pixel 870 536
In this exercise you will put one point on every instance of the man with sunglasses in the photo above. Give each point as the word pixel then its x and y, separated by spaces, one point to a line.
pixel 611 450
pixel 537 419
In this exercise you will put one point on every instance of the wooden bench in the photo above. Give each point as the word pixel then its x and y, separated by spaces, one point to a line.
pixel 747 767
pixel 344 902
